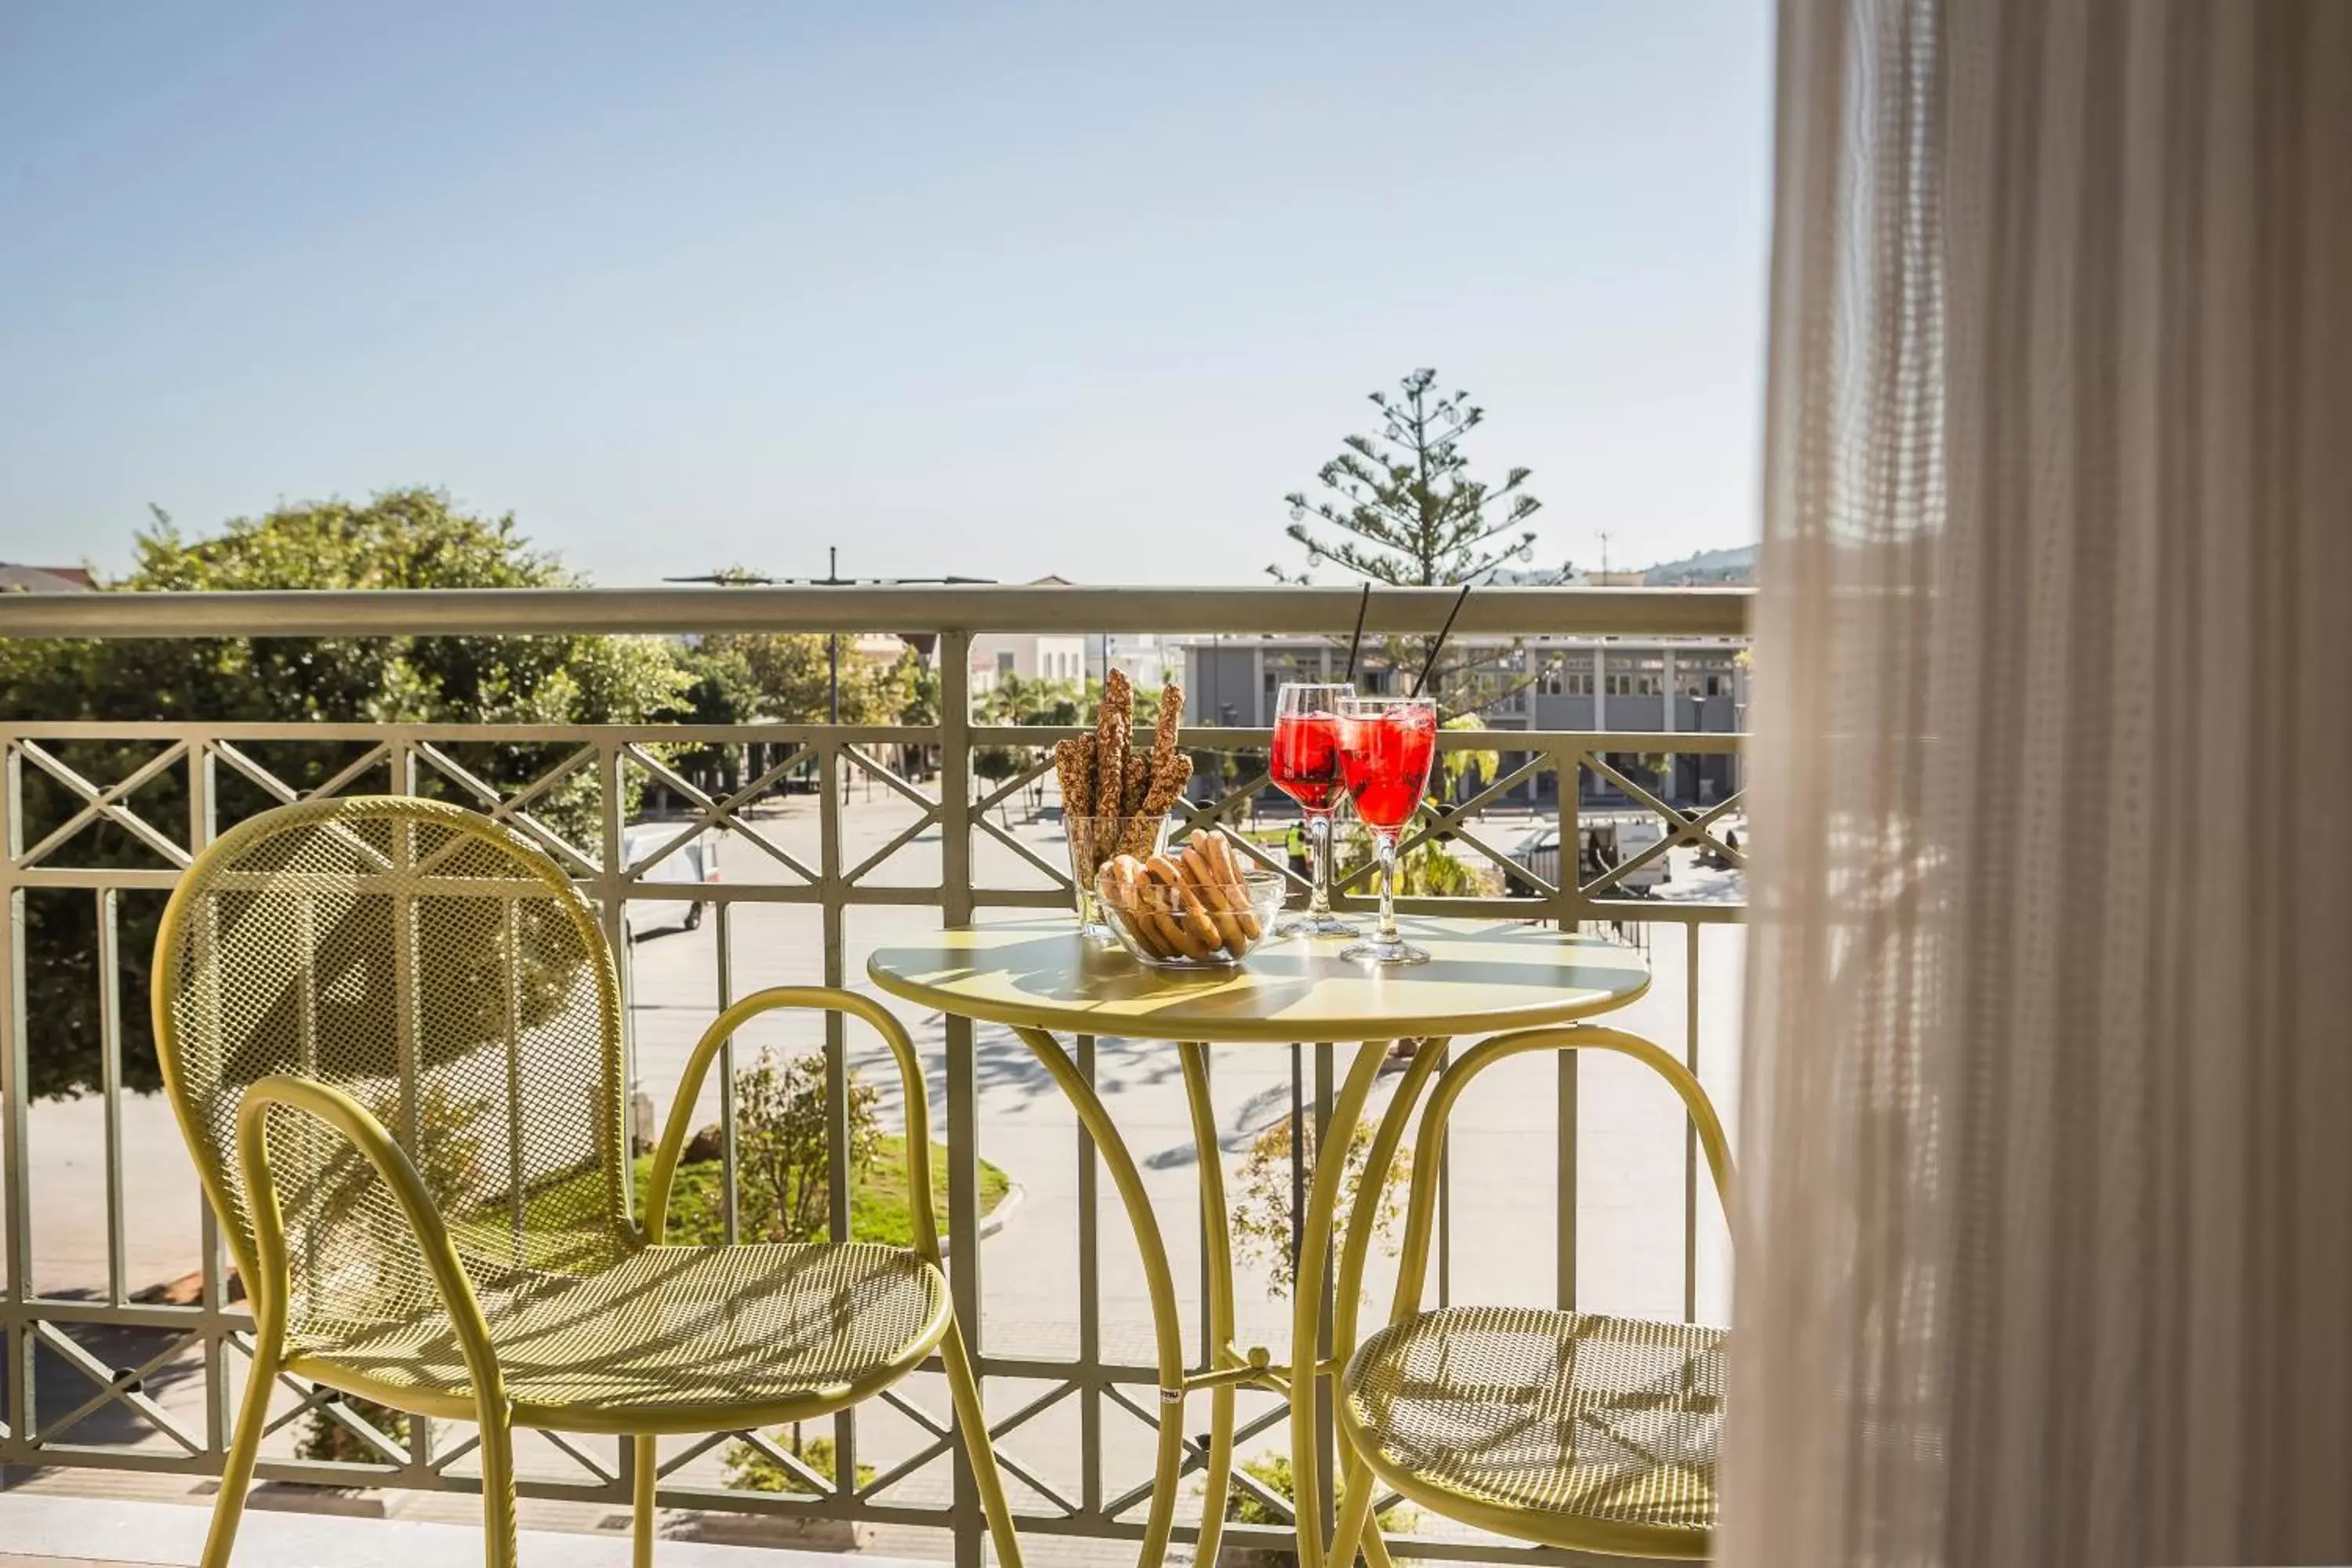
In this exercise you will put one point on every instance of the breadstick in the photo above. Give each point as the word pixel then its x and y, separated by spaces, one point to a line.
pixel 1114 738
pixel 1160 792
pixel 1151 900
pixel 1121 890
pixel 1173 940
pixel 1215 898
pixel 1185 904
pixel 1236 878
pixel 1169 718
pixel 1167 776
pixel 1074 763
pixel 1186 920
pixel 1138 780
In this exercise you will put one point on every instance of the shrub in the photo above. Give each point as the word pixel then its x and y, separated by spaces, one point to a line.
pixel 1272 1471
pixel 1262 1218
pixel 752 1470
pixel 783 1145
pixel 324 1437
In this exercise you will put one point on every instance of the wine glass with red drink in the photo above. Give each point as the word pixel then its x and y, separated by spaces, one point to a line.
pixel 1305 766
pixel 1386 747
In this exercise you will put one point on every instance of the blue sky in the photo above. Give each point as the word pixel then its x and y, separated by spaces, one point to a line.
pixel 999 289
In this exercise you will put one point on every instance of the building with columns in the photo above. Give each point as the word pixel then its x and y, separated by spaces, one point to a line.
pixel 1651 687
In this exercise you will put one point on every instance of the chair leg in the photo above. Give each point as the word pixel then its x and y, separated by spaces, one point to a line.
pixel 1355 1521
pixel 971 1424
pixel 646 1468
pixel 499 1546
pixel 244 1447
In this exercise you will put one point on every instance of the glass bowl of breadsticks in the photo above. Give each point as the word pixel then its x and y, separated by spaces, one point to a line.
pixel 1197 905
pixel 1115 795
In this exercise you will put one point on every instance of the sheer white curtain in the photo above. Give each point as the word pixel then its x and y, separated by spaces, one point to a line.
pixel 2047 1226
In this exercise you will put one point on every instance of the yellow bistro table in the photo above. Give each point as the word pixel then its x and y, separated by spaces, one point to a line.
pixel 1038 975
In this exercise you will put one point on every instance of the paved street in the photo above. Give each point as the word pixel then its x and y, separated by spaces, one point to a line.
pixel 1630 1172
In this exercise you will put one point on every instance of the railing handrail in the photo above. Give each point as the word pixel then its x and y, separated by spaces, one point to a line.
pixel 968 609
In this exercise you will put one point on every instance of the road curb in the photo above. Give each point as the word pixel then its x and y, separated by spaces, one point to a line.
pixel 1015 1195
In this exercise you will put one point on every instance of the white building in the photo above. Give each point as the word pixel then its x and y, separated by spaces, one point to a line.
pixel 1075 657
pixel 1031 655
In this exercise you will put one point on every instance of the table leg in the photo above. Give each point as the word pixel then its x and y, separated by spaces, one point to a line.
pixel 1356 1525
pixel 1217 1264
pixel 1307 1295
pixel 1162 1286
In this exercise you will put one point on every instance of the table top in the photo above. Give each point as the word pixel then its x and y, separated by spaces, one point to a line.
pixel 1484 975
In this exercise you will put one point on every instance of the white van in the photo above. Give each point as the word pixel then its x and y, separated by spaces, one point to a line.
pixel 694 861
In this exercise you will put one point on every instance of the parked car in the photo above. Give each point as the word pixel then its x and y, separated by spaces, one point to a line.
pixel 697 860
pixel 1601 844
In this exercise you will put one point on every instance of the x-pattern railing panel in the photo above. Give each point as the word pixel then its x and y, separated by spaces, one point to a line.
pixel 105 803
pixel 606 768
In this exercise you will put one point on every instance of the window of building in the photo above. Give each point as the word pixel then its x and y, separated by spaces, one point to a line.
pixel 1003 662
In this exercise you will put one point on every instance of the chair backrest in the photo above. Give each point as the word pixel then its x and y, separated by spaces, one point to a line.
pixel 430 964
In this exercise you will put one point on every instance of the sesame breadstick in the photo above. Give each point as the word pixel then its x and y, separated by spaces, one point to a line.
pixel 1170 718
pixel 1074 763
pixel 1114 738
pixel 1167 782
pixel 1167 776
pixel 1138 781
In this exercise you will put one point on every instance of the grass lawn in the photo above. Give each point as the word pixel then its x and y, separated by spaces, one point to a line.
pixel 877 1198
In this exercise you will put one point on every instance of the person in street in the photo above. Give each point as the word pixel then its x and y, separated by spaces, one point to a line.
pixel 1294 846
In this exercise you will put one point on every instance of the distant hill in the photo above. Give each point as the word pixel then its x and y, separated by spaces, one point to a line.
pixel 1737 565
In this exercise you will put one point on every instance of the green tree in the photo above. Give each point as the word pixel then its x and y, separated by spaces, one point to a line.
pixel 401 539
pixel 1402 510
pixel 1034 700
pixel 1456 767
pixel 791 677
pixel 920 682
pixel 717 691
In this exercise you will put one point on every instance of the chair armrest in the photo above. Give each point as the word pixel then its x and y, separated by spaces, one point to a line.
pixel 816 998
pixel 366 1135
pixel 1430 1146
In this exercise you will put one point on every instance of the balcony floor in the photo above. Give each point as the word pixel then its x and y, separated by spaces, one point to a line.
pixel 52 1530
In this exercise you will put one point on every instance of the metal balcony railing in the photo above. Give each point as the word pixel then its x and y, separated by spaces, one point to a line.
pixel 96 819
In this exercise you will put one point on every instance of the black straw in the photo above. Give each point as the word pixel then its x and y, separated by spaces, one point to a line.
pixel 1356 641
pixel 1423 679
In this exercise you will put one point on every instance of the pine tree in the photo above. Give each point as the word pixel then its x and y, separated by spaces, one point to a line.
pixel 1407 513
pixel 1410 514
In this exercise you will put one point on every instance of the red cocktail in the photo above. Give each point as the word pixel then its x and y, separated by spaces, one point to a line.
pixel 1386 747
pixel 1306 760
pixel 1306 765
pixel 1386 760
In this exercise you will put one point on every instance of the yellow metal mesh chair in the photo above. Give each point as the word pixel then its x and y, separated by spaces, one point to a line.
pixel 390 1031
pixel 1562 1428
